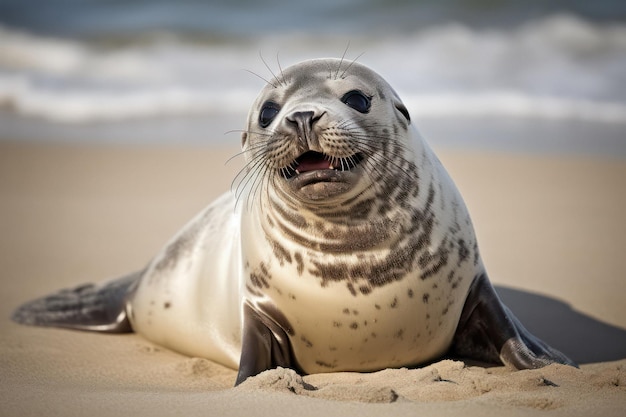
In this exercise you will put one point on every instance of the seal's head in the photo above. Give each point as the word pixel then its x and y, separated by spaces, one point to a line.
pixel 320 131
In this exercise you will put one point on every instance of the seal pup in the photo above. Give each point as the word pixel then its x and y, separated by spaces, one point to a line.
pixel 345 247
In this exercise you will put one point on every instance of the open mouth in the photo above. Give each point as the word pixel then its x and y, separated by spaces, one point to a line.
pixel 316 161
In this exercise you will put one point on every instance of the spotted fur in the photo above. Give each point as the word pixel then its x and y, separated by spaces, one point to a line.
pixel 389 249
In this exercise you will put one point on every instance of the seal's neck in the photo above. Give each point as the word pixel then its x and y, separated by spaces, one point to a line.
pixel 344 229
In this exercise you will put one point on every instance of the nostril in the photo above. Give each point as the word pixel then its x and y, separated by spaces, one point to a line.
pixel 302 118
pixel 303 125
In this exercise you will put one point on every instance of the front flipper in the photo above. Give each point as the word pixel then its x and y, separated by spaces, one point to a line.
pixel 88 307
pixel 489 332
pixel 264 345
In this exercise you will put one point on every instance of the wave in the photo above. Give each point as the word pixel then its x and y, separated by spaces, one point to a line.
pixel 557 68
pixel 516 104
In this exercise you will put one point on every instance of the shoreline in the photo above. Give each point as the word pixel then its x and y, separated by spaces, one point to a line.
pixel 518 135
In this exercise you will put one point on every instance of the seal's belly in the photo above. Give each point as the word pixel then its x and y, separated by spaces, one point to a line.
pixel 401 324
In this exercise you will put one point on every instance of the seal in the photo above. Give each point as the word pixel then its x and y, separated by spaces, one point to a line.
pixel 345 247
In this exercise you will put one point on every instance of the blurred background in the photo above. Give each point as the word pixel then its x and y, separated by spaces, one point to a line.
pixel 521 75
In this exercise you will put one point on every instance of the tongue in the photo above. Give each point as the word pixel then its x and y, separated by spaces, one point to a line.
pixel 312 163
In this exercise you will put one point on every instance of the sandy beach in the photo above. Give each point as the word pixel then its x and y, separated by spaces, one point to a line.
pixel 551 231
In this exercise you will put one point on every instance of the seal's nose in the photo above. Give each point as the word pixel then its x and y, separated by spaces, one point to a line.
pixel 303 122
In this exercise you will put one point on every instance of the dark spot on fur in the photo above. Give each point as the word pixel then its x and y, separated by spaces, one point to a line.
pixel 399 334
pixel 394 303
pixel 476 255
pixel 325 365
pixel 258 281
pixel 431 263
pixel 354 325
pixel 175 250
pixel 280 253
pixel 306 341
pixel 184 243
pixel 337 324
pixel 410 293
pixel 376 306
pixel 291 216
pixel 253 291
pixel 425 298
pixel 167 305
pixel 299 263
pixel 464 251
pixel 346 311
pixel 260 277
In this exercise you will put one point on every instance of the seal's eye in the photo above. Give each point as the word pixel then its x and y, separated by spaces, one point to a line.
pixel 268 113
pixel 357 100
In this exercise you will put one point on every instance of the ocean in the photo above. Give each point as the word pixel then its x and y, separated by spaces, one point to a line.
pixel 481 73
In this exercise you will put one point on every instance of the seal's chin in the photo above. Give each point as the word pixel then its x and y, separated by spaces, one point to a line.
pixel 317 176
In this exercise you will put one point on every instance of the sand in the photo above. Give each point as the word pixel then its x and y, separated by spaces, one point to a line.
pixel 551 230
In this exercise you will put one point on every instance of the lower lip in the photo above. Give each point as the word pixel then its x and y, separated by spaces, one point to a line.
pixel 320 175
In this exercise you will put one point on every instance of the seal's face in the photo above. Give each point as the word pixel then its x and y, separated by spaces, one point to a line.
pixel 318 131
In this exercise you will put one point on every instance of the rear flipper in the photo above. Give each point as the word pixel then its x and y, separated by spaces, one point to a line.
pixel 100 308
pixel 489 332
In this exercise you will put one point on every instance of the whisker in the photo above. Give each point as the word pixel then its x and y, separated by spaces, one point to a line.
pixel 248 172
pixel 270 157
pixel 251 132
pixel 341 60
pixel 380 164
pixel 330 70
pixel 352 160
pixel 269 69
pixel 388 162
pixel 343 74
pixel 280 68
pixel 245 151
pixel 261 77
pixel 257 185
